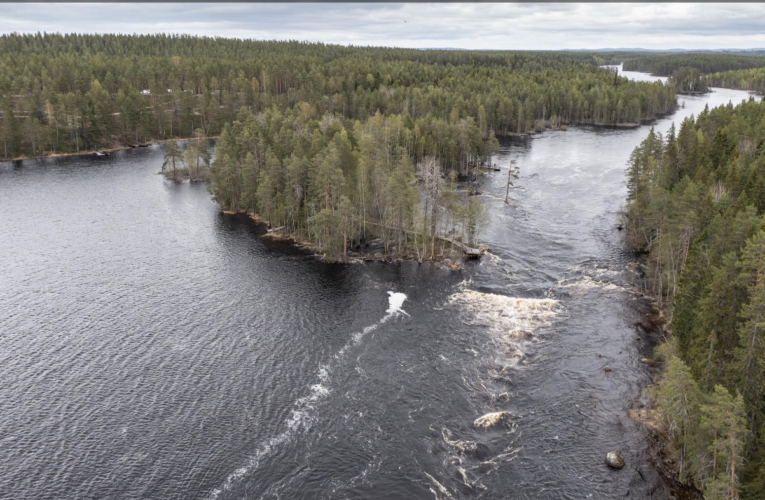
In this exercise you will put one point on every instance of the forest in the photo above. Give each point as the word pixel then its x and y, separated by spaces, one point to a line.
pixel 72 93
pixel 743 79
pixel 704 62
pixel 337 183
pixel 687 80
pixel 696 209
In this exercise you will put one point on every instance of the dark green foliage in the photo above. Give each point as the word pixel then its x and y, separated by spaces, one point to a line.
pixel 338 183
pixel 705 63
pixel 688 80
pixel 68 93
pixel 696 208
pixel 735 71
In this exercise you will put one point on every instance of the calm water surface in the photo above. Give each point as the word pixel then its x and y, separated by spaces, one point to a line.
pixel 153 348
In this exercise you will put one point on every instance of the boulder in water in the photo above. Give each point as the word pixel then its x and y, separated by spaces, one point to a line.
pixel 491 419
pixel 614 460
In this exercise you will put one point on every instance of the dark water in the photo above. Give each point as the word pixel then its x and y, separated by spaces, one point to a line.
pixel 152 348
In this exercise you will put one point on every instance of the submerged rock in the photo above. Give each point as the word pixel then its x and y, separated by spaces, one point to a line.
pixel 491 419
pixel 614 460
pixel 607 369
pixel 470 448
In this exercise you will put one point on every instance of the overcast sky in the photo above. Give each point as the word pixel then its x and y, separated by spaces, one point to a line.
pixel 470 26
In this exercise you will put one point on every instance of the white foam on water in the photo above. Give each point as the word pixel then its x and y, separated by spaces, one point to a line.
pixel 302 409
pixel 440 491
pixel 586 277
pixel 509 318
pixel 586 283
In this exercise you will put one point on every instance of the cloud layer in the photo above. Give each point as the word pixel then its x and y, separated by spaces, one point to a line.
pixel 471 26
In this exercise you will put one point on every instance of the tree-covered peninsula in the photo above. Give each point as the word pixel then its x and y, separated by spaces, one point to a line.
pixel 697 208
pixel 743 79
pixel 693 73
pixel 704 62
pixel 70 93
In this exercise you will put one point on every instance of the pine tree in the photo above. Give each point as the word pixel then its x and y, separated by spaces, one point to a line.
pixel 681 397
pixel 173 160
pixel 723 418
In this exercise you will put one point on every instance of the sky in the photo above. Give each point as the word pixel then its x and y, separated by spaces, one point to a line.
pixel 520 26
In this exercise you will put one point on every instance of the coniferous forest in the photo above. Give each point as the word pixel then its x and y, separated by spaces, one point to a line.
pixel 744 79
pixel 696 207
pixel 697 72
pixel 70 93
pixel 705 63
pixel 326 142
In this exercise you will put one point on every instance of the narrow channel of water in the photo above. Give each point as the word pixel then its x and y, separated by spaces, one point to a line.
pixel 151 347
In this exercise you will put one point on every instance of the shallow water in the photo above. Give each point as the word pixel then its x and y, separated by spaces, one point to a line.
pixel 151 347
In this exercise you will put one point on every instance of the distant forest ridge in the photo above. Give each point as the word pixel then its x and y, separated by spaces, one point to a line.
pixel 665 65
pixel 70 93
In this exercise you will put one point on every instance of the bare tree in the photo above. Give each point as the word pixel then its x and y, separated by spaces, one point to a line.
pixel 429 171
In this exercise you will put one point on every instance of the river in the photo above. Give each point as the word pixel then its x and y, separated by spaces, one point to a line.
pixel 154 348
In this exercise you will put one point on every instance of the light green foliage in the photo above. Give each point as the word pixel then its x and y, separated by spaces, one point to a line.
pixel 723 421
pixel 745 79
pixel 680 397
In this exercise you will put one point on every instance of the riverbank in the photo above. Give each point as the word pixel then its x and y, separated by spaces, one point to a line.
pixel 104 150
pixel 653 329
pixel 371 251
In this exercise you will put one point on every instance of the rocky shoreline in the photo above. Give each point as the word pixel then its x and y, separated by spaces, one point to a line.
pixel 653 327
pixel 372 251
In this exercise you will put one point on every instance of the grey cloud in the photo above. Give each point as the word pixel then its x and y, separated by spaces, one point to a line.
pixel 494 26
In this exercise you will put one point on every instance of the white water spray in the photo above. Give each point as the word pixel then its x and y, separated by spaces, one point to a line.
pixel 301 412
pixel 395 301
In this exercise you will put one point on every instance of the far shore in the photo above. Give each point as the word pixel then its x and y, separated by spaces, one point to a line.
pixel 104 150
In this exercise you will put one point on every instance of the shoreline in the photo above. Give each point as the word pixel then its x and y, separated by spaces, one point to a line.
pixel 373 252
pixel 653 327
pixel 105 150
pixel 565 128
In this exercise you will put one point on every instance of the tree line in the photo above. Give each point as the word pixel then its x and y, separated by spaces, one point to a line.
pixel 742 79
pixel 696 207
pixel 71 93
pixel 705 63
